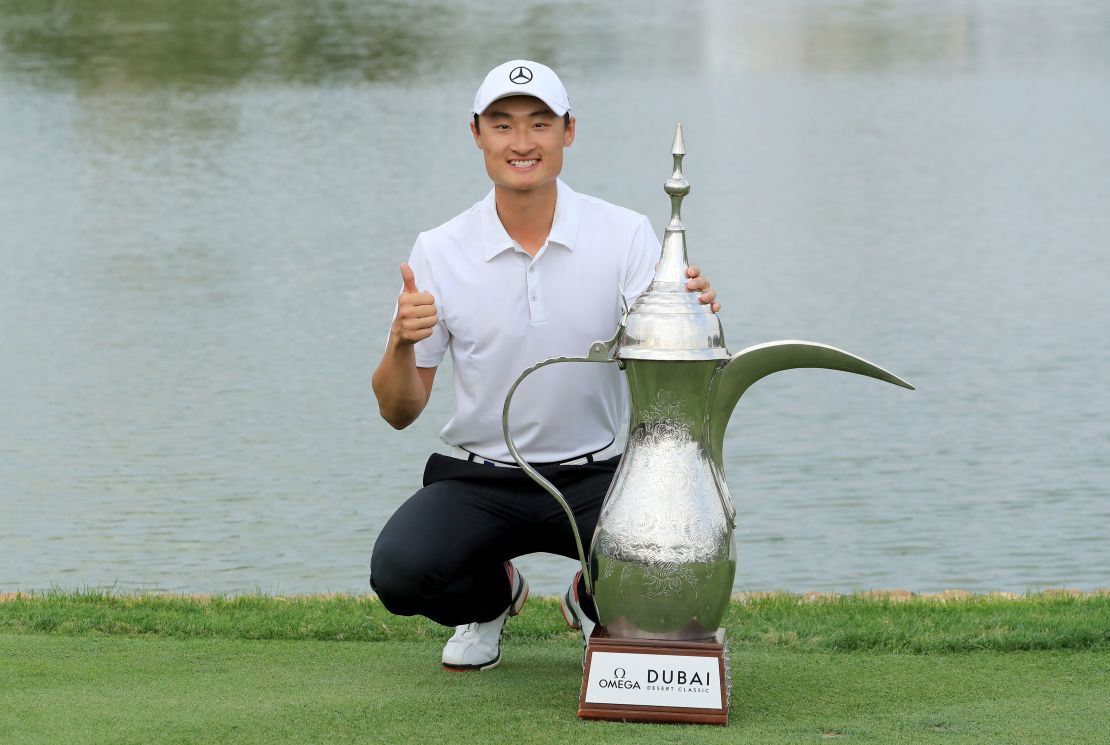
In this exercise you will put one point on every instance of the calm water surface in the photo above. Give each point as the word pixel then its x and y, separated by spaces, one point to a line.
pixel 203 206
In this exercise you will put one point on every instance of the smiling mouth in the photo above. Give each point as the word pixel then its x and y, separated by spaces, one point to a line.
pixel 523 163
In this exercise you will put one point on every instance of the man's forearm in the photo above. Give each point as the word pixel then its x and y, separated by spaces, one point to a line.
pixel 402 391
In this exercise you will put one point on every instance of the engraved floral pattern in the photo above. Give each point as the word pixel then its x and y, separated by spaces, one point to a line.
pixel 663 534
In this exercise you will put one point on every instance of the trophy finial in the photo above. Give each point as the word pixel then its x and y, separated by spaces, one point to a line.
pixel 677 186
pixel 671 268
pixel 679 147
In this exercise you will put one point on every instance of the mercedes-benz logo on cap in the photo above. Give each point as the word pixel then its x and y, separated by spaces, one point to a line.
pixel 520 75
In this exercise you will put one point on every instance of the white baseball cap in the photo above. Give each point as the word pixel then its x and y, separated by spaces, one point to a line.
pixel 521 77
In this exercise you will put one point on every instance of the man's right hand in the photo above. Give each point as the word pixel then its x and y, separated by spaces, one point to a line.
pixel 416 311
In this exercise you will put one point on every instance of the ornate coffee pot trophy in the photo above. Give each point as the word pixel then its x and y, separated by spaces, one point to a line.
pixel 662 559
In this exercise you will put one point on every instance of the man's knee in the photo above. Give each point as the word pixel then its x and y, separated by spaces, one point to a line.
pixel 418 558
pixel 392 576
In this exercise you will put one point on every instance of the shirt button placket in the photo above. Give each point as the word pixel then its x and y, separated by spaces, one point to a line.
pixel 535 307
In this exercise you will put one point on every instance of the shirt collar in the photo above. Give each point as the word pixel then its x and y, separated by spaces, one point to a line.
pixel 564 226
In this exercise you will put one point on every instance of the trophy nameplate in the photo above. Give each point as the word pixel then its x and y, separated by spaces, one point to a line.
pixel 641 680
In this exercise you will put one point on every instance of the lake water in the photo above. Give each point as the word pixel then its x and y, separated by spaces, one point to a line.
pixel 203 205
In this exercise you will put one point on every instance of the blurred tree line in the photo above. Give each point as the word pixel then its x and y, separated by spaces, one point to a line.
pixel 214 43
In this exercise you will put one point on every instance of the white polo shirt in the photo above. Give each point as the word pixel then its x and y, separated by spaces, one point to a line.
pixel 501 311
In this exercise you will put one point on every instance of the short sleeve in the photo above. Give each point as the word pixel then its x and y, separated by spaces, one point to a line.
pixel 430 351
pixel 643 256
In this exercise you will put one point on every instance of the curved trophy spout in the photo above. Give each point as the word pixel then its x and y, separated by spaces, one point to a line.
pixel 749 365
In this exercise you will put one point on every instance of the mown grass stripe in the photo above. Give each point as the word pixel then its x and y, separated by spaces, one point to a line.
pixel 828 624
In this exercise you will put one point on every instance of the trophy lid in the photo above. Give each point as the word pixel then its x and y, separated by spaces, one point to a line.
pixel 667 322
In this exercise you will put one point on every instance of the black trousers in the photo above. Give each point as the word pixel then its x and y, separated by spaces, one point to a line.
pixel 441 554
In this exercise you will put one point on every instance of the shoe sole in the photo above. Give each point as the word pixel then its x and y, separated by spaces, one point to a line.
pixel 573 620
pixel 568 613
pixel 473 668
pixel 517 604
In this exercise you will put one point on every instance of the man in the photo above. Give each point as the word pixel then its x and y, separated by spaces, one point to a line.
pixel 532 271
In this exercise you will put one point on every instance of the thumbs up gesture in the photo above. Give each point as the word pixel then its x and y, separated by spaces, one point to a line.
pixel 416 311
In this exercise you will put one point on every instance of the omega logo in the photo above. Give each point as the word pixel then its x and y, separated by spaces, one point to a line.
pixel 619 680
pixel 520 75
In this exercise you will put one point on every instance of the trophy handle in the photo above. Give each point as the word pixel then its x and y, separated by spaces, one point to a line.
pixel 599 352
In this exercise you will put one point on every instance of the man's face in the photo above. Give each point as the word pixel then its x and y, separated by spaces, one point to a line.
pixel 523 142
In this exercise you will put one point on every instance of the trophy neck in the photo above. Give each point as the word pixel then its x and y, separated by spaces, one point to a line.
pixel 670 275
pixel 671 394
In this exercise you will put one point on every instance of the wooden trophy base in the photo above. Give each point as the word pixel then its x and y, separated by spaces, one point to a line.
pixel 647 680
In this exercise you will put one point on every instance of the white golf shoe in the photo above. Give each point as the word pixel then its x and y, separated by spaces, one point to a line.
pixel 573 614
pixel 477 646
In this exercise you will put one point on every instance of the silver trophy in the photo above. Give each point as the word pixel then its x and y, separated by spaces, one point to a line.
pixel 662 560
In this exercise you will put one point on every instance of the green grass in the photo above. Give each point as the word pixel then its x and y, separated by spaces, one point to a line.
pixel 87 668
pixel 838 624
